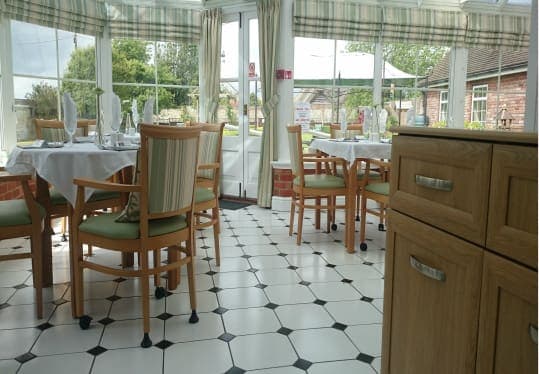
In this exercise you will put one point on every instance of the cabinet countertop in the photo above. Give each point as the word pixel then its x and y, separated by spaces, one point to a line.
pixel 524 138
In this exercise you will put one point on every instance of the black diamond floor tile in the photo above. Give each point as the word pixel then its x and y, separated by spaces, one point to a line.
pixel 44 326
pixel 317 253
pixel 367 263
pixel 113 298
pixel 320 302
pixel 246 256
pixel 20 286
pixel 4 306
pixel 271 306
pixel 25 357
pixel 220 310
pixel 261 286
pixel 282 254
pixel 119 280
pixel 240 245
pixel 304 283
pixel 164 344
pixel 339 326
pixel 302 364
pixel 292 267
pixel 96 351
pixel 207 258
pixel 252 270
pixel 215 289
pixel 345 280
pixel 367 299
pixel 164 316
pixel 205 247
pixel 106 321
pixel 235 370
pixel 226 337
pixel 59 301
pixel 330 266
pixel 285 331
pixel 365 358
pixel 211 272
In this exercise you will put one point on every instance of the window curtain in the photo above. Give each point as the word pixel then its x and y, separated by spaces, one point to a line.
pixel 423 26
pixel 498 31
pixel 336 20
pixel 152 23
pixel 212 20
pixel 268 29
pixel 85 17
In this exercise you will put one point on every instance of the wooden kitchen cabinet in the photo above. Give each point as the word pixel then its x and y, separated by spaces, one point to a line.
pixel 461 265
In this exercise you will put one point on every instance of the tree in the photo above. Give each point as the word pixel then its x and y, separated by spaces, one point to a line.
pixel 43 99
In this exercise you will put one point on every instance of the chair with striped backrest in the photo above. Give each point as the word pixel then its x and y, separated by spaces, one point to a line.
pixel 165 201
pixel 21 218
pixel 315 186
pixel 53 130
pixel 351 131
pixel 207 191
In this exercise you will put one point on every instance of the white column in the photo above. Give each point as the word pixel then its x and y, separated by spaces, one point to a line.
pixel 104 74
pixel 458 63
pixel 378 74
pixel 530 122
pixel 8 122
pixel 285 90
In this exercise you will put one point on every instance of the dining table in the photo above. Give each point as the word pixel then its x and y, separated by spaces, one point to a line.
pixel 58 165
pixel 353 151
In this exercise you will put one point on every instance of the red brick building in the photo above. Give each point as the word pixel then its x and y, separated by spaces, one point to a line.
pixel 489 88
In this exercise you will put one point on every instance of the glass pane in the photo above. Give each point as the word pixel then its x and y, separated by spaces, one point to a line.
pixel 128 93
pixel 256 120
pixel 228 110
pixel 230 50
pixel 33 49
pixel 313 62
pixel 40 94
pixel 253 45
pixel 84 97
pixel 132 61
pixel 177 104
pixel 177 63
pixel 354 64
pixel 76 53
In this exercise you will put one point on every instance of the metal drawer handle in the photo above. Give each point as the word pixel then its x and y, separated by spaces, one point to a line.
pixel 427 270
pixel 532 330
pixel 434 183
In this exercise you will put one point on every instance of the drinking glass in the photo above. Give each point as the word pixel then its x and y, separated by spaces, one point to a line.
pixel 70 126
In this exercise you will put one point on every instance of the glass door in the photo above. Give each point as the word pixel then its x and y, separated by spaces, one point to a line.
pixel 240 106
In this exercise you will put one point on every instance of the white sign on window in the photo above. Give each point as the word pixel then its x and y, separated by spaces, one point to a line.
pixel 303 115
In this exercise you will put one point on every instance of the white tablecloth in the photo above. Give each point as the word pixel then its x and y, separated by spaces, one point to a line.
pixel 59 166
pixel 350 150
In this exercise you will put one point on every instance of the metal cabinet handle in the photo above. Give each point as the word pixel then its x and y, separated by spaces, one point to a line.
pixel 434 183
pixel 532 330
pixel 427 270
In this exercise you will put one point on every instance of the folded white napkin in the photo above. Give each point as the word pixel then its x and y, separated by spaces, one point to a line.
pixel 383 120
pixel 116 112
pixel 134 110
pixel 148 110
pixel 70 113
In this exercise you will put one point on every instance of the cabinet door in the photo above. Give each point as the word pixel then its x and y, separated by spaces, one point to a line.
pixel 512 218
pixel 431 300
pixel 508 320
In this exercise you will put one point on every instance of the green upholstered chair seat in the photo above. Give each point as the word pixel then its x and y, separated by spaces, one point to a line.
pixel 361 174
pixel 99 195
pixel 106 226
pixel 203 195
pixel 378 188
pixel 321 181
pixel 15 212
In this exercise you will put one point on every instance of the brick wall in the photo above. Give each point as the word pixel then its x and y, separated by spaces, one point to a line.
pixel 13 190
pixel 282 181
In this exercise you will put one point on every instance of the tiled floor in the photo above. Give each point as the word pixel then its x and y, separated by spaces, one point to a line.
pixel 271 307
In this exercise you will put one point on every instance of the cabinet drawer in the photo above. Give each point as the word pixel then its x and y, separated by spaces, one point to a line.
pixel 442 182
pixel 512 218
pixel 431 300
pixel 508 319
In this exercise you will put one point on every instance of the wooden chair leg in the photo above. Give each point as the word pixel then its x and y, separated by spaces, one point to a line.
pixel 363 245
pixel 215 218
pixel 292 212
pixel 300 219
pixel 145 292
pixel 173 276
pixel 191 280
pixel 157 262
pixel 35 247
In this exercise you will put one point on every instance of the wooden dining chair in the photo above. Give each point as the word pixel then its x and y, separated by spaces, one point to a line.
pixel 207 191
pixel 53 130
pixel 314 186
pixel 378 191
pixel 22 218
pixel 335 131
pixel 163 202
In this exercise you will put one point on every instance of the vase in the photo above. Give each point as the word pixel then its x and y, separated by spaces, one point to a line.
pixel 99 135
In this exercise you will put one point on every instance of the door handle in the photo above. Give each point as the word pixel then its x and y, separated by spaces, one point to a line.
pixel 426 270
pixel 434 183
pixel 245 109
pixel 532 330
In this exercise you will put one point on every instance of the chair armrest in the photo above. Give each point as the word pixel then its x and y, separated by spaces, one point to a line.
pixel 107 186
pixel 324 159
pixel 7 177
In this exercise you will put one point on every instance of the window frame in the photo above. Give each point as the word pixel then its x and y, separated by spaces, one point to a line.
pixel 443 103
pixel 475 100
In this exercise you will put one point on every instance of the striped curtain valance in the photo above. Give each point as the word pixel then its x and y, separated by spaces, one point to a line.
pixel 81 16
pixel 498 31
pixel 150 23
pixel 336 20
pixel 423 26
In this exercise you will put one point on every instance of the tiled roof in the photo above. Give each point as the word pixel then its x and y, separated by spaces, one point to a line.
pixel 481 61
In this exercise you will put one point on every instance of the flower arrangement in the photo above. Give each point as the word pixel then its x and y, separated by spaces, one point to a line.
pixel 99 123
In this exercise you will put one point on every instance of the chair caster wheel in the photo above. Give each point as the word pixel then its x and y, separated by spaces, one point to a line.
pixel 64 237
pixel 160 293
pixel 381 227
pixel 358 219
pixel 334 226
pixel 146 341
pixel 194 317
pixel 363 246
pixel 84 322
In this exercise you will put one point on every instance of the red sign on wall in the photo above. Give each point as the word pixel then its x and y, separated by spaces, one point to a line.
pixel 252 70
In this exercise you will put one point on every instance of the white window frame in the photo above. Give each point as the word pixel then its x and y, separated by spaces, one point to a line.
pixel 477 100
pixel 443 103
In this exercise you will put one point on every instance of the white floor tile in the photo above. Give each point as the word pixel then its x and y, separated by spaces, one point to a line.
pixel 253 351
pixel 289 294
pixel 323 345
pixel 201 357
pixel 303 316
pixel 376 364
pixel 250 321
pixel 379 304
pixel 13 278
pixel 354 312
pixel 319 274
pixel 242 298
pixel 18 316
pixel 357 272
pixel 67 339
pixel 97 309
pixel 131 307
pixel 179 303
pixel 306 260
pixel 277 276
pixel 341 367
pixel 368 338
pixel 9 366
pixel 334 291
pixel 16 342
pixel 178 328
pixel 268 262
pixel 261 250
pixel 28 295
pixel 68 363
pixel 281 370
pixel 6 293
pixel 234 279
pixel 373 288
pixel 131 360
pixel 129 333
pixel 230 264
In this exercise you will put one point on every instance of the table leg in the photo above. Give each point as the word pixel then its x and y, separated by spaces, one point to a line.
pixel 126 177
pixel 173 276
pixel 351 209
pixel 43 198
pixel 72 259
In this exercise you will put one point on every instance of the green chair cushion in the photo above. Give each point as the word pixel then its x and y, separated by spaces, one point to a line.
pixel 15 212
pixel 203 195
pixel 378 188
pixel 105 225
pixel 99 195
pixel 321 181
